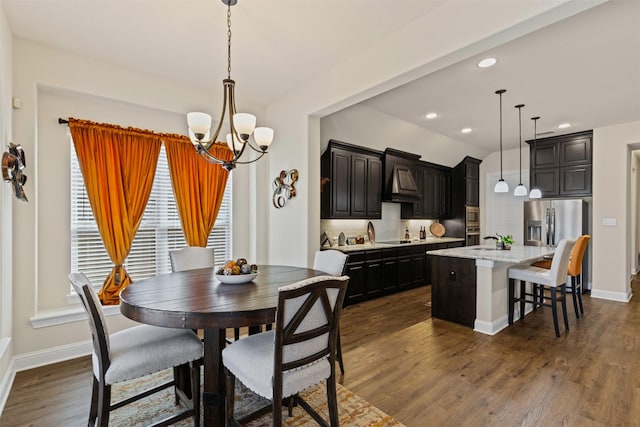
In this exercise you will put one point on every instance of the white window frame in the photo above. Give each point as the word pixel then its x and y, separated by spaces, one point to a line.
pixel 159 232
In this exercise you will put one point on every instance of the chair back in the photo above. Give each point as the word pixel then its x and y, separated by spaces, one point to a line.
pixel 560 262
pixel 331 261
pixel 100 336
pixel 307 321
pixel 191 258
pixel 575 264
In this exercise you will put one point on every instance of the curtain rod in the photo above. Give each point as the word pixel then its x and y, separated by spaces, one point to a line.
pixel 62 121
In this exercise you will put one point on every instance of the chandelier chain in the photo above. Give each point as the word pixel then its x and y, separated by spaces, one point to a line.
pixel 229 40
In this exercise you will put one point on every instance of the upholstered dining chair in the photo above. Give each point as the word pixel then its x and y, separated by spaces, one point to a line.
pixel 574 271
pixel 297 354
pixel 191 258
pixel 542 280
pixel 333 263
pixel 134 353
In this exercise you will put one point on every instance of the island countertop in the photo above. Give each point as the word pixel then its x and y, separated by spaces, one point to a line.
pixel 384 245
pixel 516 255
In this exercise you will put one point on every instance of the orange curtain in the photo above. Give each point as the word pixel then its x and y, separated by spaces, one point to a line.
pixel 118 166
pixel 198 186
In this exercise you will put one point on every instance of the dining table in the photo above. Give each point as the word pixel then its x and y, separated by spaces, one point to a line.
pixel 195 299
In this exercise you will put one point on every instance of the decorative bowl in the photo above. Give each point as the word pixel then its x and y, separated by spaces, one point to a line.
pixel 236 279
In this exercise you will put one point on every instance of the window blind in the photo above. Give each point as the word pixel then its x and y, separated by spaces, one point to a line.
pixel 159 232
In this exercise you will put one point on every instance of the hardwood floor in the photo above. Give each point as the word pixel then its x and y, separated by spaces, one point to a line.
pixel 428 372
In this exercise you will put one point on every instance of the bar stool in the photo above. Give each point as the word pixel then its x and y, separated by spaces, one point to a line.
pixel 574 271
pixel 551 279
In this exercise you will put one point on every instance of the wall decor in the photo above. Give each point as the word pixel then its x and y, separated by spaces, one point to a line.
pixel 284 187
pixel 13 163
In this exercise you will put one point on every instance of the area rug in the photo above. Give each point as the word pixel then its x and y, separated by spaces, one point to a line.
pixel 353 410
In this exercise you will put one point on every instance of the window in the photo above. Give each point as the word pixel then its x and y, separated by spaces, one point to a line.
pixel 159 232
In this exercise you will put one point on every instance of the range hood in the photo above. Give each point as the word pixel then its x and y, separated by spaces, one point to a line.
pixel 400 184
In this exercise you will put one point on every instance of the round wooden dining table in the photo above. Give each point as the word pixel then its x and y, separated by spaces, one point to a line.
pixel 195 299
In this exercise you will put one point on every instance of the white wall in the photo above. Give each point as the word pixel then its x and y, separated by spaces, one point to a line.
pixel 6 202
pixel 612 148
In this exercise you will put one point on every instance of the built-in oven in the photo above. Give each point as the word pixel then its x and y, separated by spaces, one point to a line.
pixel 473 236
pixel 473 216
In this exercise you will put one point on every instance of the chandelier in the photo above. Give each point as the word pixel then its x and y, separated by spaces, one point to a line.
pixel 241 125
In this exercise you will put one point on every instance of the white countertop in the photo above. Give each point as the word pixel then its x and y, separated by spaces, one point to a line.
pixel 517 254
pixel 368 246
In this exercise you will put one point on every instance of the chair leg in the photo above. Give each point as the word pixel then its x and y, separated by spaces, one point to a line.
pixel 195 392
pixel 512 284
pixel 95 396
pixel 236 334
pixel 231 395
pixel 574 296
pixel 104 403
pixel 339 354
pixel 579 291
pixel 563 292
pixel 332 401
pixel 554 311
pixel 522 298
pixel 276 404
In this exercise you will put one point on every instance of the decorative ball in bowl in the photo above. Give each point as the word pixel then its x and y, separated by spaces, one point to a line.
pixel 236 272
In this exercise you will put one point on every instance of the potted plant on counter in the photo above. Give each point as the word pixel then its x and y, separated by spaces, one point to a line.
pixel 506 241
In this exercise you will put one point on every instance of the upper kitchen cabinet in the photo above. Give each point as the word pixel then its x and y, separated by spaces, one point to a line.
pixel 434 188
pixel 561 166
pixel 354 189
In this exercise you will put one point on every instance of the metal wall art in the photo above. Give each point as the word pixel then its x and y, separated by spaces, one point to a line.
pixel 12 165
pixel 284 187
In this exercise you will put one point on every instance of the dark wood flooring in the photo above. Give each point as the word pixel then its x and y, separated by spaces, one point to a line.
pixel 428 372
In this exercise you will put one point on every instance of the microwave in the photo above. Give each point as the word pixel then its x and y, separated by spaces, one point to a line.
pixel 473 216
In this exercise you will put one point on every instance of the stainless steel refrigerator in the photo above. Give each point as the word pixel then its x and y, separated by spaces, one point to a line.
pixel 548 221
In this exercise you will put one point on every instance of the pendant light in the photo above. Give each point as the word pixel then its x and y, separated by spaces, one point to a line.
pixel 501 185
pixel 520 190
pixel 535 192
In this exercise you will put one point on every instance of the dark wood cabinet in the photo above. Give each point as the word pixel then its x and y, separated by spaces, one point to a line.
pixel 434 184
pixel 561 166
pixel 374 274
pixel 357 278
pixel 453 290
pixel 465 193
pixel 354 188
pixel 389 269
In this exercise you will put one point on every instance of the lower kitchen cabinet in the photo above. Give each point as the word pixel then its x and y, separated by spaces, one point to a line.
pixel 377 272
pixel 453 290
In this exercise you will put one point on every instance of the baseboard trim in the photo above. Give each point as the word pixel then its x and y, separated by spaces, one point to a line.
pixel 5 385
pixel 52 355
pixel 612 296
pixel 490 328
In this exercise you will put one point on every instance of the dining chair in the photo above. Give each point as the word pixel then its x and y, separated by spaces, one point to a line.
pixel 297 354
pixel 543 279
pixel 574 271
pixel 191 258
pixel 333 263
pixel 134 353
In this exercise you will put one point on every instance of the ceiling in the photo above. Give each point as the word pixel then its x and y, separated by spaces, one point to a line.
pixel 583 70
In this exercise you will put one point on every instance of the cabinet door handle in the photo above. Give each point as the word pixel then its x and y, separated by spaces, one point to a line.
pixel 452 276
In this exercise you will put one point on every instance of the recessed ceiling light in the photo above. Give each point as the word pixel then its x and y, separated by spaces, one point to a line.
pixel 466 130
pixel 431 115
pixel 487 62
pixel 564 125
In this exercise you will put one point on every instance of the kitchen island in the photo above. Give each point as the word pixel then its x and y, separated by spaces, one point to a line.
pixel 470 284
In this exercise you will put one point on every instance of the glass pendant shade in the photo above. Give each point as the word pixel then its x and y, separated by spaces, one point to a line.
pixel 231 144
pixel 520 190
pixel 501 187
pixel 244 123
pixel 263 136
pixel 199 123
pixel 535 194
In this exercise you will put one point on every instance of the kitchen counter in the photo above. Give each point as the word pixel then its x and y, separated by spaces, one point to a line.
pixel 455 271
pixel 516 255
pixel 381 245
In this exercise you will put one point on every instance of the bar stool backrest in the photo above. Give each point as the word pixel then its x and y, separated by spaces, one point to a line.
pixel 560 262
pixel 575 265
